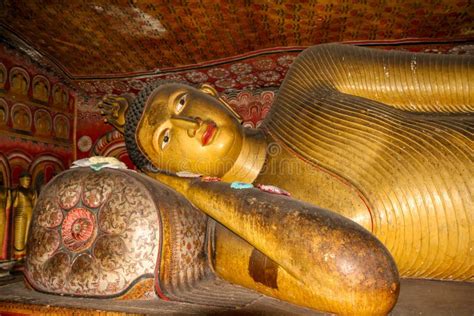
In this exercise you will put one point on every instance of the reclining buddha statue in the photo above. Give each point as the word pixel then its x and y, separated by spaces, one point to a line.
pixel 375 148
pixel 383 138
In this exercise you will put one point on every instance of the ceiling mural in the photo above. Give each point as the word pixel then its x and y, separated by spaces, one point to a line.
pixel 104 39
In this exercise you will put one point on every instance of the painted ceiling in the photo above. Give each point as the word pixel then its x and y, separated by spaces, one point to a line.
pixel 115 46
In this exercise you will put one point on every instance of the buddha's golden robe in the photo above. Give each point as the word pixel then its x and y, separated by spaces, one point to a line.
pixel 391 134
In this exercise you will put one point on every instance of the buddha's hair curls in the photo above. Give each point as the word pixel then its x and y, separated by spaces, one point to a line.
pixel 133 116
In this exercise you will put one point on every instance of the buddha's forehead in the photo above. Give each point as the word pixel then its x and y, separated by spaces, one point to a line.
pixel 167 90
pixel 158 107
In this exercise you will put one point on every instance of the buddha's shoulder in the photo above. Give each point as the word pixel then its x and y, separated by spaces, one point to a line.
pixel 321 50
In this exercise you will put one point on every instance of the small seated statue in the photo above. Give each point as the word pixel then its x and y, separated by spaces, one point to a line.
pixel 42 123
pixel 21 119
pixel 3 116
pixel 61 128
pixel 19 84
pixel 40 91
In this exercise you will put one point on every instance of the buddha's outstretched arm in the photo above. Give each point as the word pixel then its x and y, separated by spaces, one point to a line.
pixel 409 81
pixel 339 266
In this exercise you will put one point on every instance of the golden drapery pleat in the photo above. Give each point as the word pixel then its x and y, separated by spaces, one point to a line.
pixel 397 126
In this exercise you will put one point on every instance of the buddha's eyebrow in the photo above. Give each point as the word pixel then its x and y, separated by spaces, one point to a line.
pixel 155 113
pixel 172 98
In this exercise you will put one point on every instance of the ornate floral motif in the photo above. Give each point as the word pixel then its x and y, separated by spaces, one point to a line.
pixel 286 60
pixel 55 271
pixel 225 83
pixel 87 87
pixel 85 274
pixel 269 75
pixel 78 229
pixel 136 84
pixel 120 86
pixel 43 242
pixel 97 189
pixel 218 73
pixel 104 86
pixel 247 79
pixel 175 77
pixel 108 239
pixel 196 76
pixel 264 64
pixel 50 214
pixel 69 193
pixel 108 251
pixel 84 143
pixel 241 68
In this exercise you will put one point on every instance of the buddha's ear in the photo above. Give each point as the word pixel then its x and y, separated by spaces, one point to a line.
pixel 208 89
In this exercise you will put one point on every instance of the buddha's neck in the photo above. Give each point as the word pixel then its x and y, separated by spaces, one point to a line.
pixel 251 159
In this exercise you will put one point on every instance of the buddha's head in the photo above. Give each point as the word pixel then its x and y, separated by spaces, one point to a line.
pixel 177 128
pixel 25 180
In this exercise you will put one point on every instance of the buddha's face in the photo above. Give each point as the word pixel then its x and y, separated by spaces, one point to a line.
pixel 184 129
pixel 25 181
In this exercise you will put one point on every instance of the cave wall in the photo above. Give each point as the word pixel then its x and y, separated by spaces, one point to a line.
pixel 36 120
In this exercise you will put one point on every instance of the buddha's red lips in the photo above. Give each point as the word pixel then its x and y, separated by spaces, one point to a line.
pixel 211 129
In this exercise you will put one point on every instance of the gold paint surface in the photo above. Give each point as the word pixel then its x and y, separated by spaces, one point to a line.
pixel 329 263
pixel 411 158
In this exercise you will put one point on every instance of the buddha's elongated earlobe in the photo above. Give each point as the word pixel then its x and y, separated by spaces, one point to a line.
pixel 206 88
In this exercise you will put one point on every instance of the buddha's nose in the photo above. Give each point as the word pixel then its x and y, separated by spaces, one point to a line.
pixel 191 124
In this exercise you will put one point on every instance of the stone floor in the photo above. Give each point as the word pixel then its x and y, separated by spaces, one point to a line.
pixel 417 297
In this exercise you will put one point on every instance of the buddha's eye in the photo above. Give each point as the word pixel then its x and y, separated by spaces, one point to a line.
pixel 166 139
pixel 181 103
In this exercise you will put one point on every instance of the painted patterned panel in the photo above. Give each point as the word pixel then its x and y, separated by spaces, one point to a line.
pixel 93 234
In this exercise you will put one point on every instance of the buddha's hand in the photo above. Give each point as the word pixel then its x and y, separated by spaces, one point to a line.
pixel 114 109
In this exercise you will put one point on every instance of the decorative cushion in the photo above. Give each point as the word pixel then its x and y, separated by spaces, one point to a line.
pixel 101 233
